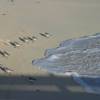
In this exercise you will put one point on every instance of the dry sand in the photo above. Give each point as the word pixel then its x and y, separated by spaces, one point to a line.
pixel 64 19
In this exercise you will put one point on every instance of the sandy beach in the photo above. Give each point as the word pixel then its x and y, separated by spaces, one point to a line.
pixel 63 19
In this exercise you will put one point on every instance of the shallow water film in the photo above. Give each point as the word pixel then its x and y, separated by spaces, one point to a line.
pixel 80 57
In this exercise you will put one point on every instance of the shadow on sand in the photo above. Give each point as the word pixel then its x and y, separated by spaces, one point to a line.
pixel 42 88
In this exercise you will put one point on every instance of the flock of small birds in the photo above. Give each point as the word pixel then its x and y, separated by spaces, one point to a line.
pixel 15 44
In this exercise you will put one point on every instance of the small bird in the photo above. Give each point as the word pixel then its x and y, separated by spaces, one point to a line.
pixel 34 38
pixel 42 34
pixel 29 38
pixel 45 34
pixel 5 69
pixel 4 53
pixel 23 39
pixel 15 44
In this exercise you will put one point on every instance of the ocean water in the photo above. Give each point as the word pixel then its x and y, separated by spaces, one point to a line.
pixel 79 58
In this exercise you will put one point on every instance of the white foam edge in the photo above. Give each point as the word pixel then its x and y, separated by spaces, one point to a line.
pixel 77 79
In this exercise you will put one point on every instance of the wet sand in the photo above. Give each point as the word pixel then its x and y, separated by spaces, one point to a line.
pixel 64 19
